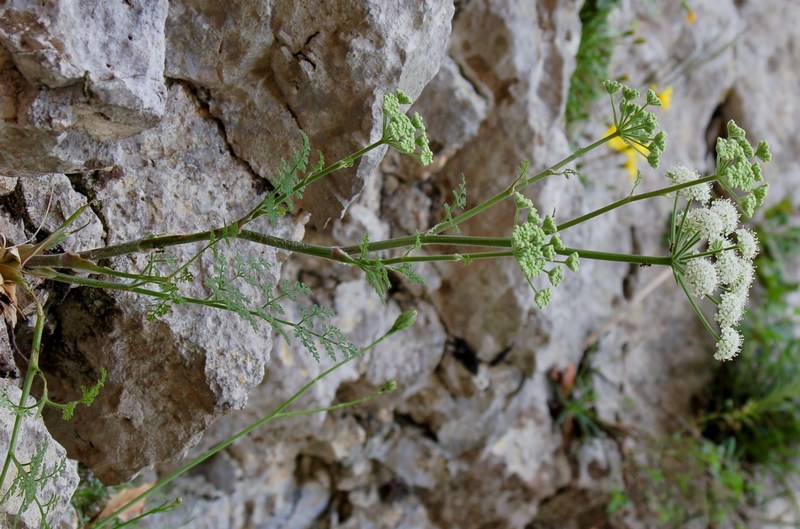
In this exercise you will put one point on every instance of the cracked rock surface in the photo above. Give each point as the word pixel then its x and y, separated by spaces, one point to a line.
pixel 171 117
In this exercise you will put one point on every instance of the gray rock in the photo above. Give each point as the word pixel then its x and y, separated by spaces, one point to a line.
pixel 195 363
pixel 80 88
pixel 323 69
pixel 57 476
pixel 48 213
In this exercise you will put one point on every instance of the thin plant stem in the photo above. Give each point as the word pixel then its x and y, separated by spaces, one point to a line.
pixel 33 370
pixel 277 412
pixel 334 407
pixel 696 308
pixel 633 198
pixel 618 257
pixel 447 257
pixel 644 260
pixel 518 185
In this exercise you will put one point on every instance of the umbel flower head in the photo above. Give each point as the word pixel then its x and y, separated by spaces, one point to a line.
pixel 535 244
pixel 739 170
pixel 712 257
pixel 636 125
pixel 405 134
pixel 682 174
pixel 726 266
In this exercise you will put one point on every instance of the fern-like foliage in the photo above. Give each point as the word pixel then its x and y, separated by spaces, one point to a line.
pixel 165 265
pixel 377 273
pixel 87 398
pixel 31 478
pixel 459 202
pixel 288 183
pixel 313 330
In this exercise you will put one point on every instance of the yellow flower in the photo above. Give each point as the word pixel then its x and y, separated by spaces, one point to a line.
pixel 617 144
pixel 631 154
pixel 691 17
pixel 665 96
pixel 631 163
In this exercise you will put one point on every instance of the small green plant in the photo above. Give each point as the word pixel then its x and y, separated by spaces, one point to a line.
pixel 574 402
pixel 707 253
pixel 753 405
pixel 748 426
pixel 682 478
pixel 596 48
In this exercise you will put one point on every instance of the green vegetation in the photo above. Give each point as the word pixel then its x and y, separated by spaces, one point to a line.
pixel 710 258
pixel 745 440
pixel 598 41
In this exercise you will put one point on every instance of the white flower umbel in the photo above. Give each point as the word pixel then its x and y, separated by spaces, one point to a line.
pixel 731 307
pixel 748 243
pixel 681 174
pixel 726 266
pixel 701 277
pixel 727 214
pixel 711 256
pixel 705 222
pixel 729 344
pixel 730 267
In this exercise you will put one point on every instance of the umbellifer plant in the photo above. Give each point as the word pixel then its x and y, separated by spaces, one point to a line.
pixel 711 257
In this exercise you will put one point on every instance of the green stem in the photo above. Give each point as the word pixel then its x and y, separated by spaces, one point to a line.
pixel 325 252
pixel 277 412
pixel 137 246
pixel 341 164
pixel 456 240
pixel 633 198
pixel 672 223
pixel 518 185
pixel 447 257
pixel 584 254
pixel 697 311
pixel 618 257
pixel 710 252
pixel 335 407
pixel 33 370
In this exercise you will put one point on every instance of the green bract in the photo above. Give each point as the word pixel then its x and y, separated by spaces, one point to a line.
pixel 637 126
pixel 738 168
pixel 405 134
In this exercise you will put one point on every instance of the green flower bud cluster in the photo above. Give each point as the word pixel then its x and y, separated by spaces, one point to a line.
pixel 535 243
pixel 737 169
pixel 405 134
pixel 637 126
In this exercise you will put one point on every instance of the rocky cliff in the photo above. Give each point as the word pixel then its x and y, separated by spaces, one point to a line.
pixel 171 117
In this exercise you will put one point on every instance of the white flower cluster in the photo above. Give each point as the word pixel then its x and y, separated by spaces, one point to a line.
pixel 714 222
pixel 731 272
pixel 681 174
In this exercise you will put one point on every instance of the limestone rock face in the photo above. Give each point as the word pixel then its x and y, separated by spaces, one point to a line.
pixel 67 91
pixel 171 118
pixel 271 68
pixel 57 476
pixel 190 366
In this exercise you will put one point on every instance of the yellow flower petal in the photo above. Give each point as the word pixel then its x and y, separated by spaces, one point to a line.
pixel 617 144
pixel 631 163
pixel 666 97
